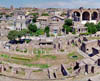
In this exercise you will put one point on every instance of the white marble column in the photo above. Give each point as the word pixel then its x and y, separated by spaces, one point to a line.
pixel 90 16
pixel 81 17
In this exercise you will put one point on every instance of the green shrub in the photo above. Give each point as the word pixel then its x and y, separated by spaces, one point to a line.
pixel 59 34
pixel 52 35
pixel 49 56
pixel 21 58
pixel 84 33
pixel 25 51
pixel 62 50
pixel 73 32
pixel 45 14
pixel 39 32
pixel 4 56
pixel 70 68
pixel 43 66
pixel 27 40
pixel 17 49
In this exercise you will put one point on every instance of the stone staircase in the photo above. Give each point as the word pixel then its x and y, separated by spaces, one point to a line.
pixel 59 74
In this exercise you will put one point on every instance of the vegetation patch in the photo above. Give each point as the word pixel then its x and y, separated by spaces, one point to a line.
pixel 74 56
pixel 4 56
pixel 73 44
pixel 49 56
pixel 69 69
pixel 38 70
pixel 27 40
pixel 38 51
pixel 21 58
pixel 62 50
pixel 42 66
pixel 45 14
pixel 19 50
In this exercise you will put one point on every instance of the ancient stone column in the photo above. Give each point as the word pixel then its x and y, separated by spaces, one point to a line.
pixel 14 70
pixel 76 66
pixel 86 68
pixel 51 74
pixel 48 73
pixel 92 69
pixel 59 46
pixel 98 62
pixel 28 73
pixel 90 16
pixel 68 43
pixel 55 46
pixel 64 70
pixel 81 17
pixel 54 74
pixel 2 68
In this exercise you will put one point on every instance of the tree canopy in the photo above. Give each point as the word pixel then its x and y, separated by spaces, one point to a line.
pixel 98 26
pixel 24 32
pixel 12 35
pixel 47 31
pixel 35 16
pixel 67 28
pixel 45 14
pixel 34 19
pixel 67 25
pixel 91 28
pixel 39 32
pixel 32 28
pixel 68 22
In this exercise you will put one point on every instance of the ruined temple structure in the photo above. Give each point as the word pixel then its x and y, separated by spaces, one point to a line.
pixel 81 16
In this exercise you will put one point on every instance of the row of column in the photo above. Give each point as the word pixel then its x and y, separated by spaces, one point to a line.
pixel 81 17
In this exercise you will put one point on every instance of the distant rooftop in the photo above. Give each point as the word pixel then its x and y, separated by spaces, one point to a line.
pixel 43 17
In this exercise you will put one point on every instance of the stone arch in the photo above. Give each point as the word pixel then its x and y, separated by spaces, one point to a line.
pixel 94 15
pixel 76 16
pixel 86 16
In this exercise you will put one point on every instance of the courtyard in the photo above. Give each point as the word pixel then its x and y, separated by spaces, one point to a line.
pixel 41 60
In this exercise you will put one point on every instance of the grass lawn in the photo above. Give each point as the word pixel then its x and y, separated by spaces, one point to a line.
pixel 42 50
pixel 18 50
pixel 28 61
pixel 4 56
pixel 49 56
pixel 15 57
pixel 42 66
pixel 38 51
pixel 21 58
pixel 41 60
pixel 38 70
pixel 74 56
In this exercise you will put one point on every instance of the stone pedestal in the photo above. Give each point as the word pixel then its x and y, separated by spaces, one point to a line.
pixel 14 70
pixel 28 74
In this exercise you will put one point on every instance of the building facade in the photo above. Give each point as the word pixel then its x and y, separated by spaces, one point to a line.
pixel 81 16
pixel 84 15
